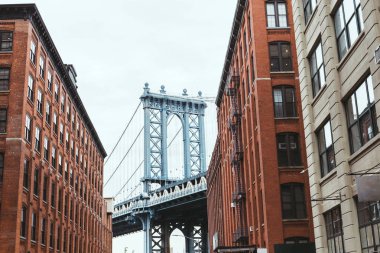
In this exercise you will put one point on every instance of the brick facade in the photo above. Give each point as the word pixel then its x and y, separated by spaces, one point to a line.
pixel 253 215
pixel 49 201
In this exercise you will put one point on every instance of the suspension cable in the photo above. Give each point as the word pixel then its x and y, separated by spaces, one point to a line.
pixel 118 166
pixel 125 129
pixel 129 179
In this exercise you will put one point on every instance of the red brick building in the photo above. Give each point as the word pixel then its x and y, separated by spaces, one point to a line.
pixel 51 158
pixel 258 195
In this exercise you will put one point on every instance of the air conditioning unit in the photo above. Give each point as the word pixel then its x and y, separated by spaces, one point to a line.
pixel 233 204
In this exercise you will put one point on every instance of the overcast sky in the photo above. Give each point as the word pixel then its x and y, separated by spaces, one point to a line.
pixel 118 45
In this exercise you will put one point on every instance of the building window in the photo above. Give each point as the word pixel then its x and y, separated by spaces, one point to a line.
pixel 39 101
pixel 37 145
pixel 61 132
pixel 47 113
pixel 51 234
pixel 49 80
pixel 35 183
pixel 6 40
pixel 326 149
pixel 63 98
pixel 308 8
pixel 46 148
pixel 4 79
pixel 30 88
pixel 60 168
pixel 276 13
pixel 55 123
pixel 348 24
pixel 28 124
pixel 32 52
pixel 361 115
pixel 293 201
pixel 23 222
pixel 288 151
pixel 3 120
pixel 42 67
pixel 53 157
pixel 52 200
pixel 317 69
pixel 284 102
pixel 44 190
pixel 280 56
pixel 56 92
pixel 67 141
pixel 43 231
pixel 66 172
pixel 369 225
pixel 33 227
pixel 333 220
pixel 58 237
pixel 26 174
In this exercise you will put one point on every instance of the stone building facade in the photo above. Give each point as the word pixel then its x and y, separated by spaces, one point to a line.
pixel 339 79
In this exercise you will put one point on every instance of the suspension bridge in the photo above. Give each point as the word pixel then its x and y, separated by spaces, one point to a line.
pixel 157 170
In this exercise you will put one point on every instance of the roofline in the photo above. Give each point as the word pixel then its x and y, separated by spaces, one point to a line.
pixel 30 12
pixel 240 6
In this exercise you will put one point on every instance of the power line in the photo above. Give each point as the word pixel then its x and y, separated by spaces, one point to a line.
pixel 118 166
pixel 125 129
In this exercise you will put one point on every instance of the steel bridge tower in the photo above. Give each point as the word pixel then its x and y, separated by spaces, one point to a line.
pixel 157 108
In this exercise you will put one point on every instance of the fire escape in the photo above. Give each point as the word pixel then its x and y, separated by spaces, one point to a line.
pixel 240 235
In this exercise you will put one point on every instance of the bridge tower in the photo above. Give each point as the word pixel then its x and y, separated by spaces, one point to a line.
pixel 157 109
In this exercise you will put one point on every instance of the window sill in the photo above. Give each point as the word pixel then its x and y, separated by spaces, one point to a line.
pixel 329 176
pixel 26 190
pixel 282 72
pixel 22 238
pixel 6 52
pixel 30 102
pixel 301 220
pixel 287 118
pixel 319 95
pixel 279 28
pixel 350 51
pixel 371 144
pixel 297 167
pixel 4 92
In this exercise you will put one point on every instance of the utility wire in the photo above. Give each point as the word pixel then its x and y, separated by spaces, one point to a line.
pixel 118 166
pixel 118 141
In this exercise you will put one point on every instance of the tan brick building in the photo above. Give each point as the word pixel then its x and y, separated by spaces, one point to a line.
pixel 51 158
pixel 258 196
pixel 340 93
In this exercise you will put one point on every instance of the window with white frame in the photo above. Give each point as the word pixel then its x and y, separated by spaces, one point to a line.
pixel 28 124
pixel 30 88
pixel 37 145
pixel 49 80
pixel 47 113
pixel 326 149
pixel 32 55
pixel 39 101
pixel 46 148
pixel 42 67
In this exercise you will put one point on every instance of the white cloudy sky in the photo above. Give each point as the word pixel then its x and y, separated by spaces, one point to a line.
pixel 118 45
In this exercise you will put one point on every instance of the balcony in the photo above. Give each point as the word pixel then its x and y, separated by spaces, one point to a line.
pixel 241 235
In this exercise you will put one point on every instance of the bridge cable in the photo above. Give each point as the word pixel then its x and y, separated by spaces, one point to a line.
pixel 141 163
pixel 118 166
pixel 125 129
pixel 129 179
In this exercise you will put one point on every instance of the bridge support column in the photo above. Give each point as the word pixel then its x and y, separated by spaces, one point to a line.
pixel 147 234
